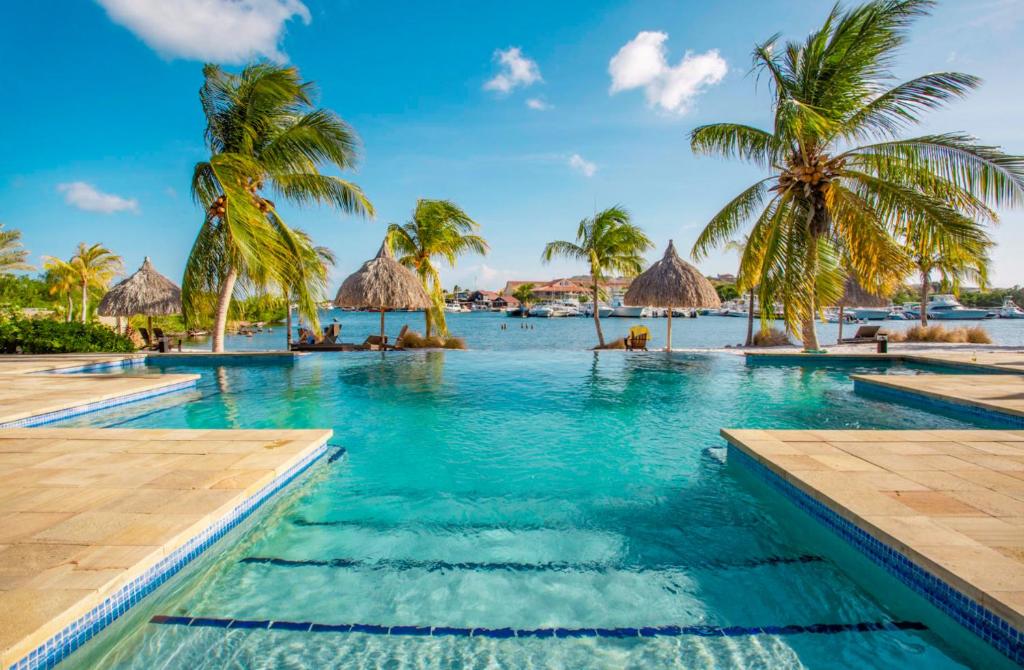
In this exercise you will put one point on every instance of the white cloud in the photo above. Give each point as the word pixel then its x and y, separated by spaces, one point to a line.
pixel 585 167
pixel 222 31
pixel 642 63
pixel 87 197
pixel 516 70
pixel 538 104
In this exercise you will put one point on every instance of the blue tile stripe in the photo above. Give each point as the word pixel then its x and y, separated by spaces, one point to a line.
pixel 938 405
pixel 401 564
pixel 67 413
pixel 972 615
pixel 96 367
pixel 507 633
pixel 75 635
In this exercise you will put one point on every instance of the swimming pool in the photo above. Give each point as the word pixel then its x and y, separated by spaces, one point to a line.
pixel 528 510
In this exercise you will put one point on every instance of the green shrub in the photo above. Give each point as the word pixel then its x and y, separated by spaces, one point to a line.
pixel 46 336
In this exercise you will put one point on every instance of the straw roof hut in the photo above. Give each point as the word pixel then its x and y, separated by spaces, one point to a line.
pixel 146 292
pixel 672 282
pixel 383 283
pixel 855 295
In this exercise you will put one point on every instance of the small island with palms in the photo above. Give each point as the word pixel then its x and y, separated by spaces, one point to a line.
pixel 590 355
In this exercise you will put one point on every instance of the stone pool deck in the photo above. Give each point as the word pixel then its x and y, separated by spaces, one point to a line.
pixel 993 394
pixel 950 501
pixel 85 512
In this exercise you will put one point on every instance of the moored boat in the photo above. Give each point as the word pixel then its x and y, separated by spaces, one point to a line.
pixel 945 307
pixel 1010 310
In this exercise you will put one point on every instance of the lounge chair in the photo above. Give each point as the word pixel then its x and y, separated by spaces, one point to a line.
pixel 864 334
pixel 162 342
pixel 147 340
pixel 401 334
pixel 637 338
pixel 332 333
pixel 373 343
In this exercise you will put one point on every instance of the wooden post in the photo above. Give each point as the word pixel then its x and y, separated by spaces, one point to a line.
pixel 288 324
pixel 668 344
pixel 840 339
pixel 382 328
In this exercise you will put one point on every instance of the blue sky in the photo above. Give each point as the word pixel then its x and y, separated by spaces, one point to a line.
pixel 102 122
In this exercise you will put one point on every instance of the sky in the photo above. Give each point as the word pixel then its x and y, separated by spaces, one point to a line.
pixel 530 115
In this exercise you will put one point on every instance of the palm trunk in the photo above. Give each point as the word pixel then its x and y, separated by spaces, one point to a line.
pixel 925 286
pixel 750 320
pixel 809 334
pixel 597 315
pixel 71 309
pixel 839 340
pixel 220 323
pixel 382 329
pixel 427 318
pixel 85 301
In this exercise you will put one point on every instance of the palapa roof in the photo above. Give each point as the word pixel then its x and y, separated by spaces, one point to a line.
pixel 856 295
pixel 146 292
pixel 672 282
pixel 382 283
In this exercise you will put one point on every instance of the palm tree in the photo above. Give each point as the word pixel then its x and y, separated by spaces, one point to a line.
pixel 263 133
pixel 525 295
pixel 956 260
pixel 744 282
pixel 438 229
pixel 829 199
pixel 312 271
pixel 12 256
pixel 60 278
pixel 91 267
pixel 609 243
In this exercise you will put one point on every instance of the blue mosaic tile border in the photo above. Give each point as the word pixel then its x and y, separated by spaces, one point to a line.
pixel 96 367
pixel 940 406
pixel 50 417
pixel 970 614
pixel 61 645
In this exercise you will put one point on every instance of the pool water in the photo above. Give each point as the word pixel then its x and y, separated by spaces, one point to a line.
pixel 533 492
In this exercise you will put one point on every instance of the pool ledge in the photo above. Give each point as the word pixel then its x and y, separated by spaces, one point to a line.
pixel 940 510
pixel 990 396
pixel 92 520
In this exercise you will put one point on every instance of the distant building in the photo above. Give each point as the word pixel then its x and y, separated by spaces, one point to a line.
pixel 725 278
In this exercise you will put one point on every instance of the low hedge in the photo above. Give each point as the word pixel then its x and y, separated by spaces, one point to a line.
pixel 46 336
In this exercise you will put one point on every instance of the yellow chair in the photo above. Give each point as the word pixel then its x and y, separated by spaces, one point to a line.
pixel 637 338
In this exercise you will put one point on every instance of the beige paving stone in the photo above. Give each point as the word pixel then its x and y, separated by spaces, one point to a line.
pixel 951 500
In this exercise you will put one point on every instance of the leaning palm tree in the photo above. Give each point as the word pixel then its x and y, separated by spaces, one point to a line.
pixel 609 243
pixel 12 256
pixel 92 267
pixel 955 260
pixel 438 229
pixel 830 199
pixel 263 134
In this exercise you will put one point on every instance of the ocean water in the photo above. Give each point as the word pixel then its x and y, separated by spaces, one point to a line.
pixel 530 491
pixel 484 331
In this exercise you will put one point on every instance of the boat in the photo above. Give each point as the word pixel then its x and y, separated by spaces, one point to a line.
pixel 945 307
pixel 603 311
pixel 516 311
pixel 627 311
pixel 911 310
pixel 869 313
pixel 565 308
pixel 454 308
pixel 1010 310
pixel 544 311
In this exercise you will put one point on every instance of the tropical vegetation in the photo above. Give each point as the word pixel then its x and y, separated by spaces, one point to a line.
pixel 610 243
pixel 832 206
pixel 955 260
pixel 265 137
pixel 13 256
pixel 91 267
pixel 525 295
pixel 47 336
pixel 438 229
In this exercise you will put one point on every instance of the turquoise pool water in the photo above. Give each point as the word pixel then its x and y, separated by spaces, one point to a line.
pixel 536 492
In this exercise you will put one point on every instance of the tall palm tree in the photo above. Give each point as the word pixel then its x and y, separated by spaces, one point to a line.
pixel 744 282
pixel 438 229
pixel 525 295
pixel 12 256
pixel 609 243
pixel 263 134
pixel 91 267
pixel 955 260
pixel 829 199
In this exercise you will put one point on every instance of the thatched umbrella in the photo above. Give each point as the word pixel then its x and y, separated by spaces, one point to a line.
pixel 381 284
pixel 672 282
pixel 855 295
pixel 147 292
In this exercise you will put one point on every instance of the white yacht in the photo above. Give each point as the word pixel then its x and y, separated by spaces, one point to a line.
pixel 945 307
pixel 869 313
pixel 1010 310
pixel 603 311
pixel 619 309
pixel 544 311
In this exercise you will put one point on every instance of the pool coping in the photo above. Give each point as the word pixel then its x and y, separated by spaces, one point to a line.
pixel 895 389
pixel 996 622
pixel 929 358
pixel 56 640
